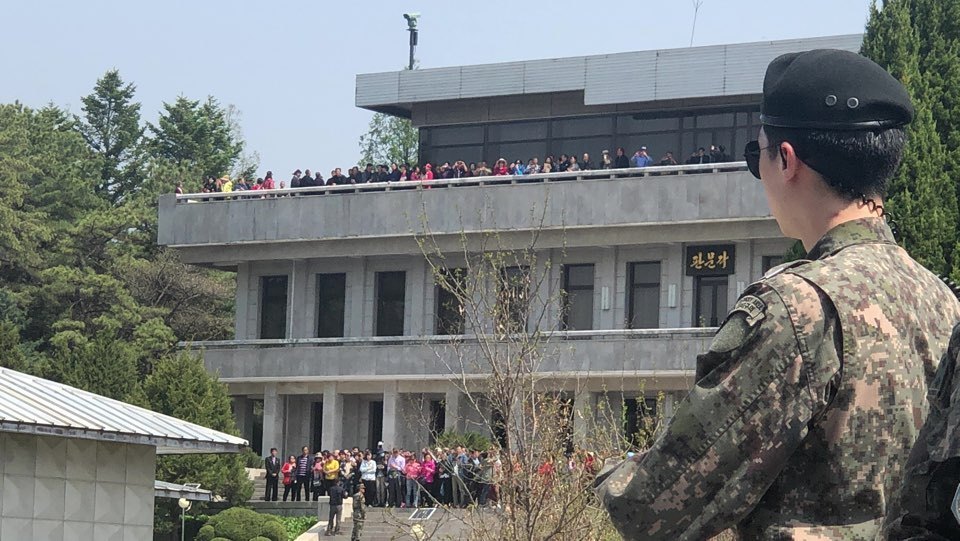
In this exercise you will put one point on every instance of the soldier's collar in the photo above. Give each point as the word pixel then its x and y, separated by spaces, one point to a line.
pixel 859 231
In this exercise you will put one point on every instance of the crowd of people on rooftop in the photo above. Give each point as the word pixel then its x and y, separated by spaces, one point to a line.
pixel 459 169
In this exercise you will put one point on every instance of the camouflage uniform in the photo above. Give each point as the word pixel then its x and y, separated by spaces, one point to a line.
pixel 359 515
pixel 805 406
pixel 927 504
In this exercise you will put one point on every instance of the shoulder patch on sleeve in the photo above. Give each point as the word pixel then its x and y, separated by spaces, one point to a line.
pixel 753 307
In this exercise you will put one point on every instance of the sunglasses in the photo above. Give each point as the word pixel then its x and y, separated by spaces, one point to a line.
pixel 751 153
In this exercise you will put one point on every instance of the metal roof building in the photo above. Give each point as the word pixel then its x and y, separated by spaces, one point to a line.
pixel 34 405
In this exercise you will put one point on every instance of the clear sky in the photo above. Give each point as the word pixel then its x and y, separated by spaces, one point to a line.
pixel 289 66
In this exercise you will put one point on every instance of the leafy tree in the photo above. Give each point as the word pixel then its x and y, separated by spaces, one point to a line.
pixel 389 139
pixel 197 135
pixel 111 126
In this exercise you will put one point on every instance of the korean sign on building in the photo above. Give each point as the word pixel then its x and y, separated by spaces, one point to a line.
pixel 712 260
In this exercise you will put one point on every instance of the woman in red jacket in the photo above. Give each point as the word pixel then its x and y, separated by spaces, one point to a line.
pixel 501 168
pixel 288 470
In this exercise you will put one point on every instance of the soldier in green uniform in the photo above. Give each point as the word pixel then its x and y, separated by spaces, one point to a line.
pixel 813 391
pixel 928 506
pixel 359 513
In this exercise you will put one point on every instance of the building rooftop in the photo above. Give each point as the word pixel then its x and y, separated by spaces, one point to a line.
pixel 642 76
pixel 34 405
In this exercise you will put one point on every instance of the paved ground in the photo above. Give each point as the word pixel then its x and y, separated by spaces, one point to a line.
pixel 395 525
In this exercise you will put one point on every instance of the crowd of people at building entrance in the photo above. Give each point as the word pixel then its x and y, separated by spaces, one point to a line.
pixel 456 477
pixel 459 169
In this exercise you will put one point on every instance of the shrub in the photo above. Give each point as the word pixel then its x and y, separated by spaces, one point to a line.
pixel 240 524
pixel 260 538
pixel 470 440
pixel 297 525
pixel 206 533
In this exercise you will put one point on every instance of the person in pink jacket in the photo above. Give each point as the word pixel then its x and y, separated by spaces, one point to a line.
pixel 428 476
pixel 412 471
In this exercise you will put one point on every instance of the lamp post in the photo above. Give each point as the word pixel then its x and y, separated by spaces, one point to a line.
pixel 184 507
pixel 412 28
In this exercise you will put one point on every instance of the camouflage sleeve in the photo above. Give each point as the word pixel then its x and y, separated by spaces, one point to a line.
pixel 924 507
pixel 762 381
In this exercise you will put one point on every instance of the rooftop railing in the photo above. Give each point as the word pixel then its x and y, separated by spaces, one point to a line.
pixel 594 174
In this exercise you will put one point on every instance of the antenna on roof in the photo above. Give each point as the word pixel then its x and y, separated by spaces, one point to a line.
pixel 696 10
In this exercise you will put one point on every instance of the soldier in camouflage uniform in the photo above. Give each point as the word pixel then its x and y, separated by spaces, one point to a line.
pixel 928 506
pixel 814 388
pixel 359 513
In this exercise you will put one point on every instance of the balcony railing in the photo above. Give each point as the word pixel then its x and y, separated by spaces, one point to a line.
pixel 595 174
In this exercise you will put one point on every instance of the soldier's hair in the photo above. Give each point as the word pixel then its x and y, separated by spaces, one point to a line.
pixel 852 163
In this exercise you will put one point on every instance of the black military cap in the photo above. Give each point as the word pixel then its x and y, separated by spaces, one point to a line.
pixel 830 89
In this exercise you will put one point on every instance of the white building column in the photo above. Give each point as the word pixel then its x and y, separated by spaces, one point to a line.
pixel 583 417
pixel 390 406
pixel 451 422
pixel 332 417
pixel 273 418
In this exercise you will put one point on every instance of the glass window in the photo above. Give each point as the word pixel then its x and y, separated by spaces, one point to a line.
pixel 577 298
pixel 391 295
pixel 639 419
pixel 449 313
pixel 643 292
pixel 331 304
pixel 710 294
pixel 456 135
pixel 472 153
pixel 743 119
pixel 517 131
pixel 579 127
pixel 722 120
pixel 513 306
pixel 629 124
pixel 770 261
pixel 273 307
pixel 688 122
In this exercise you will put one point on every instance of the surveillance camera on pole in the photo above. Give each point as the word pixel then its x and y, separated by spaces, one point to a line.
pixel 412 28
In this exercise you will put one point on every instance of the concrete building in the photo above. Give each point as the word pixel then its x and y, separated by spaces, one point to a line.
pixel 79 466
pixel 340 328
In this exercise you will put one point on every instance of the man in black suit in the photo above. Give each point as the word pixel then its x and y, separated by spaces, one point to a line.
pixel 273 476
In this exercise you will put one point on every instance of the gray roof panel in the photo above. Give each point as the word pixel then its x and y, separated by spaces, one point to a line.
pixel 669 74
pixel 33 405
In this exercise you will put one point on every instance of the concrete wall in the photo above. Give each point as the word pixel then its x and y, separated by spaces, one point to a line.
pixel 611 266
pixel 610 212
pixel 60 489
pixel 414 359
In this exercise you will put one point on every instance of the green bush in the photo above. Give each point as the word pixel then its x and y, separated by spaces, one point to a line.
pixel 240 524
pixel 260 538
pixel 297 525
pixel 219 539
pixel 206 533
pixel 273 530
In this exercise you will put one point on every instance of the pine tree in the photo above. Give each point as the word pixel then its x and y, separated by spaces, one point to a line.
pixel 111 126
pixel 195 135
pixel 906 37
pixel 180 386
